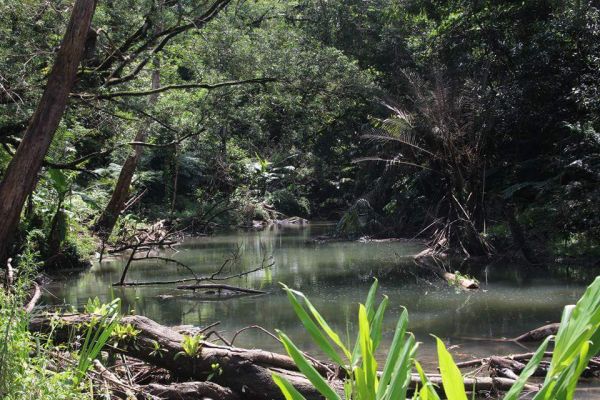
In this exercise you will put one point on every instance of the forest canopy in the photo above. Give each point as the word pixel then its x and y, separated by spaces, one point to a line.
pixel 471 124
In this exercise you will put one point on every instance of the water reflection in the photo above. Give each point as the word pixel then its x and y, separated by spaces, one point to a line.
pixel 335 276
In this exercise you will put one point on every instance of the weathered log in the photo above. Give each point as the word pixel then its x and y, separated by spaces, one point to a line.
pixel 538 334
pixel 246 372
pixel 220 287
pixel 190 391
pixel 242 374
pixel 482 361
pixel 35 297
pixel 464 282
pixel 478 384
pixel 427 260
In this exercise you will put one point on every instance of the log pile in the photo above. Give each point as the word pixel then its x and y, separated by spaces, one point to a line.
pixel 240 373
pixel 158 366
pixel 215 371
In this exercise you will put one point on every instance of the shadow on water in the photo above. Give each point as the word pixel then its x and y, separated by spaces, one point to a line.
pixel 336 276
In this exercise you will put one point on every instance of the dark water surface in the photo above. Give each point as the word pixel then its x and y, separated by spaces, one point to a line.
pixel 336 276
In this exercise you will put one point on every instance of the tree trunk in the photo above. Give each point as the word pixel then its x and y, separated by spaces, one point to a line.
pixel 518 235
pixel 105 224
pixel 20 177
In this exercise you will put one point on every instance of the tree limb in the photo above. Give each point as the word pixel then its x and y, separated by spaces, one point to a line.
pixel 208 86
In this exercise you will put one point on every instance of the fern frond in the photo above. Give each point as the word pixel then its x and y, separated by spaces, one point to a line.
pixel 389 162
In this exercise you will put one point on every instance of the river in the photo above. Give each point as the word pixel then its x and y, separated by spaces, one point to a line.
pixel 335 276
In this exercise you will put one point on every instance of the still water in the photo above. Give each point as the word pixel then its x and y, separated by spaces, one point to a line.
pixel 335 276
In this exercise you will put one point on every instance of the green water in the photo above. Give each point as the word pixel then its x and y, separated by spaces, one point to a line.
pixel 335 276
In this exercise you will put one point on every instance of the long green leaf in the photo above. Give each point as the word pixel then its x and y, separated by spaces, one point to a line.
pixel 452 379
pixel 321 321
pixel 312 329
pixel 400 378
pixel 377 323
pixel 288 390
pixel 368 357
pixel 307 369
pixel 427 392
pixel 532 365
pixel 393 353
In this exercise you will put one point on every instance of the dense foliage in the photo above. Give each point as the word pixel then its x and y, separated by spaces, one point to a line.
pixel 463 122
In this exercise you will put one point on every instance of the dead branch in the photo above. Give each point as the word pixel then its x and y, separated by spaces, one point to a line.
pixel 220 287
pixel 35 297
pixel 538 334
pixel 258 327
pixel 10 275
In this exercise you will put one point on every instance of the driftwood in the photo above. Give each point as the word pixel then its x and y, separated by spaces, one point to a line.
pixel 220 287
pixel 466 283
pixel 35 297
pixel 243 374
pixel 190 391
pixel 538 334
pixel 482 361
pixel 428 260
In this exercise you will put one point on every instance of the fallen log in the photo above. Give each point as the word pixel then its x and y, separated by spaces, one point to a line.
pixel 242 373
pixel 478 384
pixel 482 361
pixel 426 259
pixel 464 282
pixel 538 334
pixel 246 372
pixel 190 391
pixel 220 287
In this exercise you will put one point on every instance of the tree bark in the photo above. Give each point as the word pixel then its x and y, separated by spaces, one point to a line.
pixel 20 177
pixel 105 224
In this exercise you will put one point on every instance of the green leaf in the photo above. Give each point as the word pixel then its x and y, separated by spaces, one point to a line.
pixel 368 357
pixel 59 180
pixel 307 369
pixel 402 370
pixel 321 321
pixel 452 379
pixel 517 387
pixel 427 392
pixel 393 353
pixel 288 390
pixel 312 329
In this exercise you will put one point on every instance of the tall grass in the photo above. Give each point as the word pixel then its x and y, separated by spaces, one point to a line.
pixel 31 367
pixel 576 342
